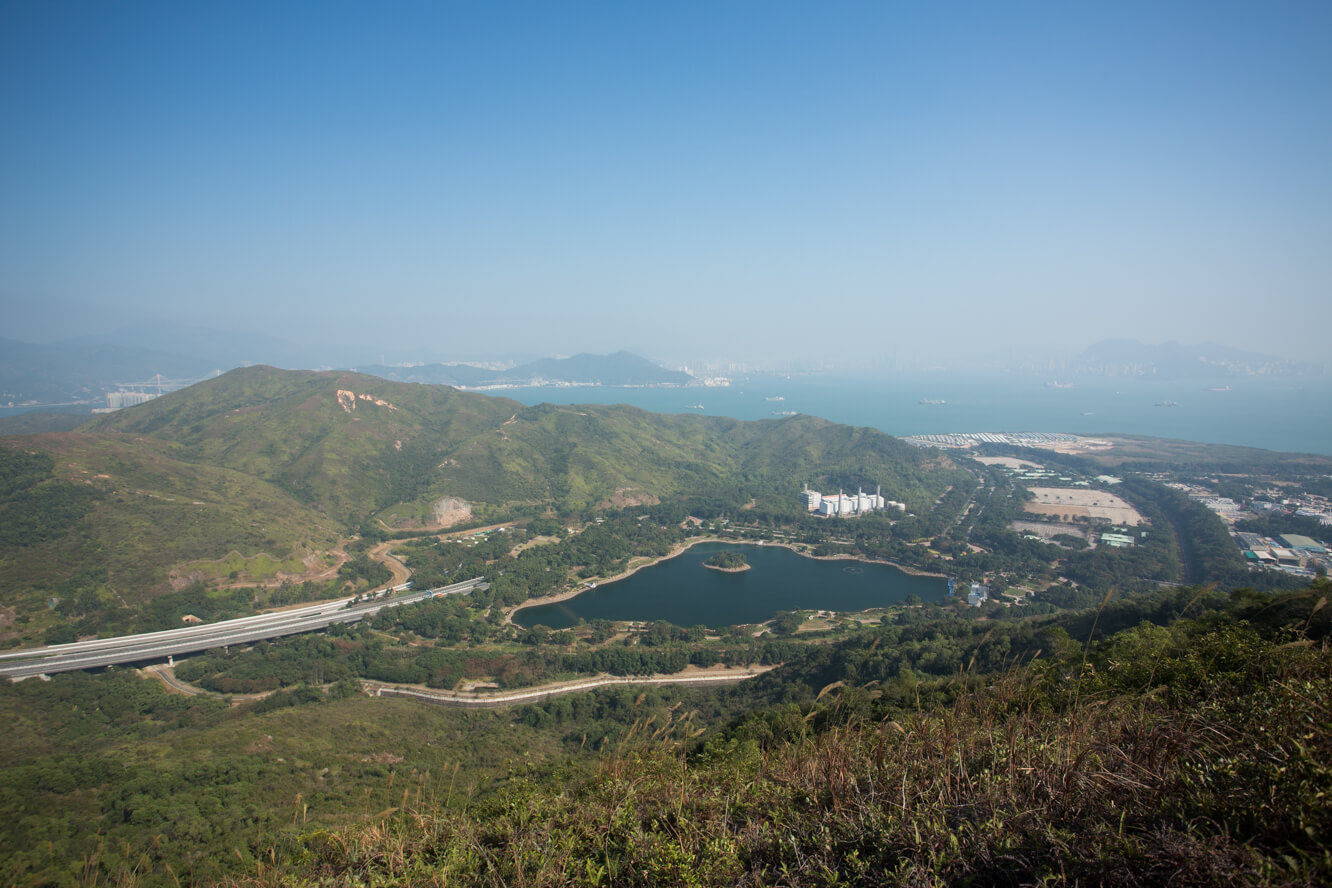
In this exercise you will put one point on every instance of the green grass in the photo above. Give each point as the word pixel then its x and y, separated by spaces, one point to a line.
pixel 255 568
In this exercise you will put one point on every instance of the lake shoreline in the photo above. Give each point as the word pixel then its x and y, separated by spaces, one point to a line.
pixel 676 550
pixel 680 548
pixel 727 570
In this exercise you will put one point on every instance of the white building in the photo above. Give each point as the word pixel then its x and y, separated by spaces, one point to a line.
pixel 840 504
pixel 846 505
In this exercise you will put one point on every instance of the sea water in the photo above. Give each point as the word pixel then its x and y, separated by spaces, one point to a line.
pixel 1275 413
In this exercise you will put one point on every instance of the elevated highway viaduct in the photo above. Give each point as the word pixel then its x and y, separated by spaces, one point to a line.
pixel 149 646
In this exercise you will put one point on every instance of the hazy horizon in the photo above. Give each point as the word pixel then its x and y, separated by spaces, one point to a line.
pixel 745 182
pixel 229 349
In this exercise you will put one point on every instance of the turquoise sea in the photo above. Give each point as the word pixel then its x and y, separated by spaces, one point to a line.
pixel 1275 413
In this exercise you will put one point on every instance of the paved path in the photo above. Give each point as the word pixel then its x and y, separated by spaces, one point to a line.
pixel 542 692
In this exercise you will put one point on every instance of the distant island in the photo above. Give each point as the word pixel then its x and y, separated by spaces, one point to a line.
pixel 619 369
pixel 730 562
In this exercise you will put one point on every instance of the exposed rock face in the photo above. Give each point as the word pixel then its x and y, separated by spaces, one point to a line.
pixel 347 400
pixel 451 510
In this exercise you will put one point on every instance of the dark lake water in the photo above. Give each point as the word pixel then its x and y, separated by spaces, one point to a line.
pixel 682 591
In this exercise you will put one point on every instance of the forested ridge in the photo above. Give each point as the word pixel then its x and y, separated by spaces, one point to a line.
pixel 275 472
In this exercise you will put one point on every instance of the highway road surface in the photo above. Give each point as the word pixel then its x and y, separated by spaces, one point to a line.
pixel 149 646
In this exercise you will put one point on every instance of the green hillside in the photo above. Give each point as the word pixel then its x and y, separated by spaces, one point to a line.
pixel 347 457
pixel 385 444
pixel 256 474
pixel 101 524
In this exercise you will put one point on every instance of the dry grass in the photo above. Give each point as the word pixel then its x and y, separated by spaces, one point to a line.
pixel 1158 760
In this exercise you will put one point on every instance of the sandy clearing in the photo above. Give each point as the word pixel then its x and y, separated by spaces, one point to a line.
pixel 1009 461
pixel 1090 503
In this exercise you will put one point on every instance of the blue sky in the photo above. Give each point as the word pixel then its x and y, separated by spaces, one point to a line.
pixel 686 180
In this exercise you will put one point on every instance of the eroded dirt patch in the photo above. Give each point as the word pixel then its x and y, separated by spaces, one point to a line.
pixel 450 510
pixel 627 496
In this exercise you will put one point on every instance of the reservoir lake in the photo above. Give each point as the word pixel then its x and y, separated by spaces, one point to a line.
pixel 682 591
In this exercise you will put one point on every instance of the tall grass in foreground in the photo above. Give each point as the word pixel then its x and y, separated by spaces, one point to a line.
pixel 1181 756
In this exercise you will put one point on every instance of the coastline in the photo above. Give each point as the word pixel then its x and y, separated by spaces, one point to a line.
pixel 681 548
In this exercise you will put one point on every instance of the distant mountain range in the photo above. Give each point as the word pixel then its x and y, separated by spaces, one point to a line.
pixel 78 373
pixel 621 368
pixel 64 373
pixel 82 369
pixel 1128 357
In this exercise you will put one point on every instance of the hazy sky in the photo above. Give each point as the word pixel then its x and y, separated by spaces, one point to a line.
pixel 682 179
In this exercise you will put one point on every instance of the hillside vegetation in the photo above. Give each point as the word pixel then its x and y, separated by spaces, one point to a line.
pixel 933 748
pixel 255 475
pixel 98 523
pixel 381 444
pixel 1191 754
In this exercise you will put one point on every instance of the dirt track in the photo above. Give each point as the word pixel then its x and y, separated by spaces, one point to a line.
pixel 542 692
pixel 472 700
pixel 382 554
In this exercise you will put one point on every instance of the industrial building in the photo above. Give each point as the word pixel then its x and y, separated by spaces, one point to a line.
pixel 1300 542
pixel 843 505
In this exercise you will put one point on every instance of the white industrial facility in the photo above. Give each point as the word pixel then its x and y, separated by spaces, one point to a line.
pixel 845 505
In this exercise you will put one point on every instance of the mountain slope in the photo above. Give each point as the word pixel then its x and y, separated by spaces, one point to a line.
pixel 353 446
pixel 110 519
pixel 275 466
pixel 345 444
pixel 1189 754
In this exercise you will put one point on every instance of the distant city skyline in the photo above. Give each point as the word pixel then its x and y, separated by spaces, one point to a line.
pixel 689 182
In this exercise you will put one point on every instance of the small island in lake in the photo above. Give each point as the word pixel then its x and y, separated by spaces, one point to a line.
pixel 731 562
